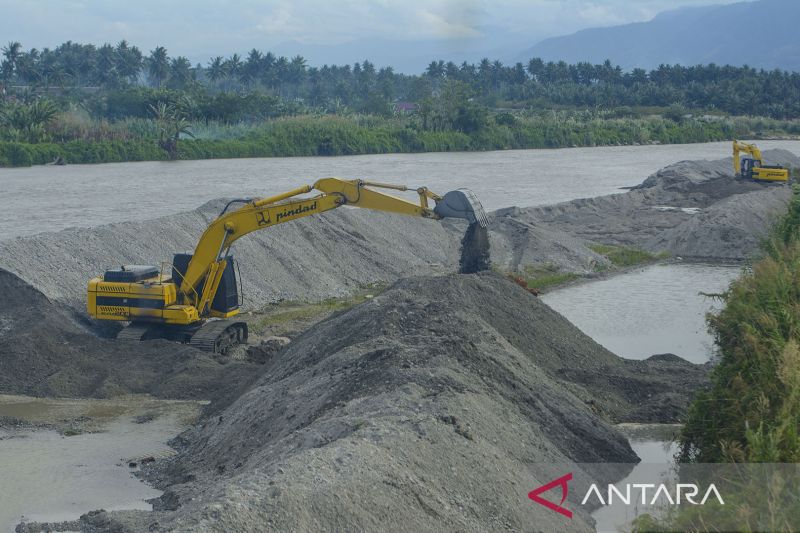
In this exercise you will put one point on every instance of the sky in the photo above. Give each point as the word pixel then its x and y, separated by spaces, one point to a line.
pixel 322 31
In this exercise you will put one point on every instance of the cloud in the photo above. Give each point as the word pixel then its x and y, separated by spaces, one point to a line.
pixel 204 28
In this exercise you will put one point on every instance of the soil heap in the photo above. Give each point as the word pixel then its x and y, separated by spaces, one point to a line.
pixel 692 209
pixel 44 352
pixel 437 405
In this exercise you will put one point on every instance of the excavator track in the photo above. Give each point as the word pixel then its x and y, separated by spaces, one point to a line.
pixel 133 332
pixel 218 336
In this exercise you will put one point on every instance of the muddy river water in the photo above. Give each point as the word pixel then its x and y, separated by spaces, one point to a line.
pixel 653 310
pixel 73 456
pixel 50 198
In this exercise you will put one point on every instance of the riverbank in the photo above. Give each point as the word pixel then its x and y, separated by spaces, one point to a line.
pixel 351 135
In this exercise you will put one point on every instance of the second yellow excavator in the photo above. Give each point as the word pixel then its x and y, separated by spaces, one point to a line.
pixel 196 301
pixel 753 167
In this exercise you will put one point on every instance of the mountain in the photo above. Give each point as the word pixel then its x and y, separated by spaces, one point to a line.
pixel 760 34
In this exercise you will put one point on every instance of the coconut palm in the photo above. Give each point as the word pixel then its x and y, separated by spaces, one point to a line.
pixel 129 61
pixel 158 65
pixel 180 72
pixel 11 54
pixel 216 69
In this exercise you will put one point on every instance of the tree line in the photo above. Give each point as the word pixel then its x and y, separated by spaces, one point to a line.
pixel 366 88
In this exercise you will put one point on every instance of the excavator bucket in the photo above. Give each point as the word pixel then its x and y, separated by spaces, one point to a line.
pixel 462 203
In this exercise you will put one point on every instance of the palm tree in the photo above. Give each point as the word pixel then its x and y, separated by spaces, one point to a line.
pixel 233 67
pixel 27 68
pixel 296 71
pixel 11 54
pixel 216 69
pixel 172 122
pixel 158 65
pixel 180 72
pixel 252 67
pixel 129 61
pixel 107 66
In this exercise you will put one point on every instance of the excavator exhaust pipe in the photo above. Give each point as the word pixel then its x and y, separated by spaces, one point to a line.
pixel 462 203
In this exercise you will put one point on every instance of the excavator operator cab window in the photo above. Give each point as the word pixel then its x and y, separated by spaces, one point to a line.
pixel 747 167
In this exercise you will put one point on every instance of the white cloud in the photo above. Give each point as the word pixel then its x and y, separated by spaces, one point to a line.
pixel 202 28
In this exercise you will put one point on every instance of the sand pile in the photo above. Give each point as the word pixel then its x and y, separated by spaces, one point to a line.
pixel 692 209
pixel 309 259
pixel 434 406
pixel 44 352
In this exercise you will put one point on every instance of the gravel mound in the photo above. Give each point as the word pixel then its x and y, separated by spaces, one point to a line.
pixel 437 405
pixel 44 352
pixel 692 209
pixel 308 260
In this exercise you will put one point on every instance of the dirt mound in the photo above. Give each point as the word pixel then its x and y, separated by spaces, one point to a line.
pixel 308 260
pixel 693 209
pixel 44 352
pixel 435 406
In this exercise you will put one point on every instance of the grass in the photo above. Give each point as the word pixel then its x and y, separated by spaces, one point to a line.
pixel 284 315
pixel 546 275
pixel 621 256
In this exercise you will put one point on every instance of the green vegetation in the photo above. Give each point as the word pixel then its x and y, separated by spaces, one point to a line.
pixel 80 141
pixel 752 412
pixel 92 74
pixel 620 256
pixel 281 317
pixel 546 275
pixel 89 104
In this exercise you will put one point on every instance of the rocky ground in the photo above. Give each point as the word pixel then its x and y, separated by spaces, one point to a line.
pixel 435 405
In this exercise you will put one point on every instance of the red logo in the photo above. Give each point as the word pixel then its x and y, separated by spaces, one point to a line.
pixel 560 482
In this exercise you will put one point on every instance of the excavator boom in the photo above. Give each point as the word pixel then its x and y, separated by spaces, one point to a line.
pixel 202 285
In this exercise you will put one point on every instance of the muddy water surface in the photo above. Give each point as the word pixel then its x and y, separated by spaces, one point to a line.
pixel 69 457
pixel 656 447
pixel 50 198
pixel 653 310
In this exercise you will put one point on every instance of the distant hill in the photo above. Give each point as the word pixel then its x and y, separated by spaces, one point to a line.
pixel 764 34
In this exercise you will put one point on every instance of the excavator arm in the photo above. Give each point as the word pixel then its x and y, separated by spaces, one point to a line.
pixel 209 259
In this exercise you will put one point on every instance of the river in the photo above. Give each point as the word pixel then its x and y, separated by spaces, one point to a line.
pixel 51 198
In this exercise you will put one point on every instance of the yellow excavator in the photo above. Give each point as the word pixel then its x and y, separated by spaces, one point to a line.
pixel 753 167
pixel 195 302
